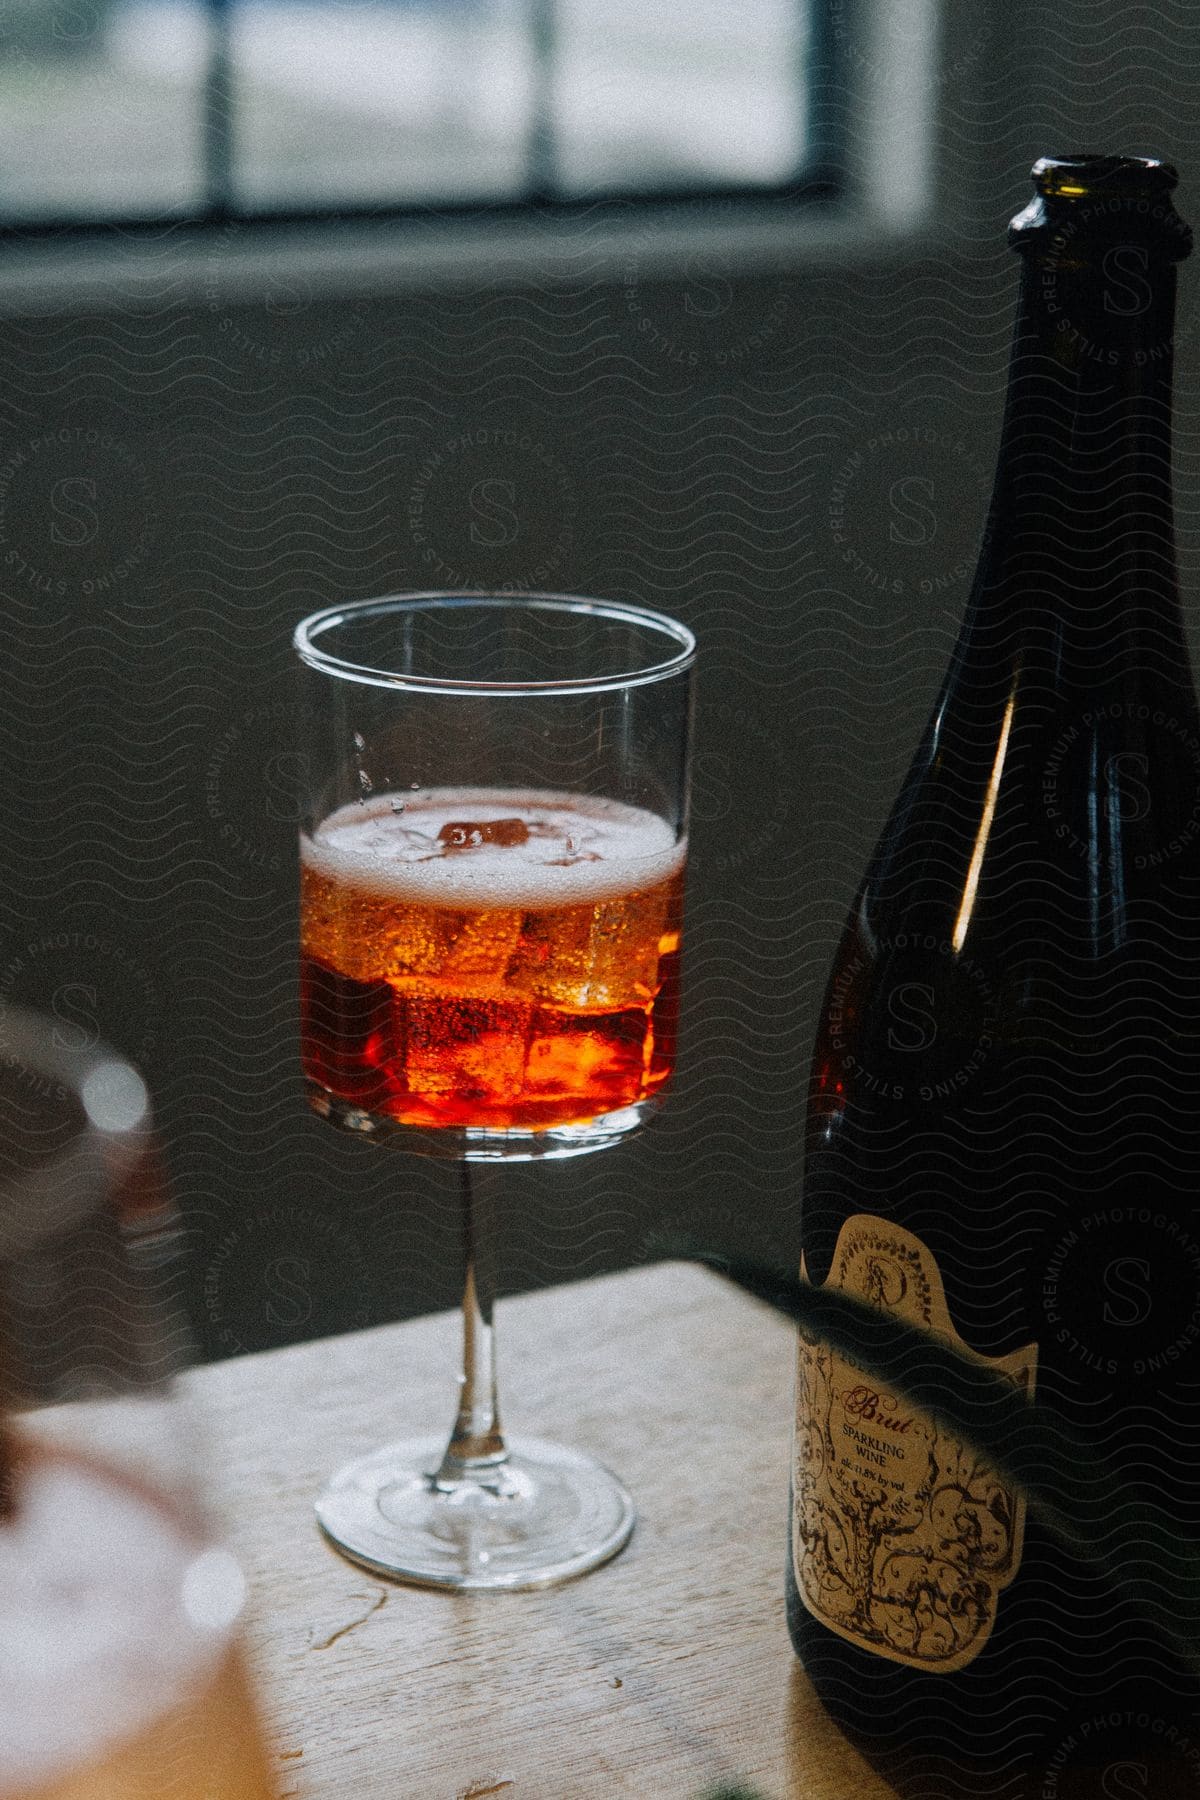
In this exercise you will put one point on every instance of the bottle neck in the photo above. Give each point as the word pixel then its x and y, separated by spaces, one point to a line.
pixel 1081 534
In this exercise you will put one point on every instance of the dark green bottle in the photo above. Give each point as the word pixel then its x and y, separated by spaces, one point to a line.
pixel 1003 1130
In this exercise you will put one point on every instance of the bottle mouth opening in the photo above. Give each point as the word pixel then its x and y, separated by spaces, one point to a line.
pixel 1086 174
pixel 1085 203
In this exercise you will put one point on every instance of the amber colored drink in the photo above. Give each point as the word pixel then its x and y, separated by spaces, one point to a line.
pixel 120 1677
pixel 490 957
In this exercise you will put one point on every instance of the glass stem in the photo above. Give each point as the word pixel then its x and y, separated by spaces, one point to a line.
pixel 476 1452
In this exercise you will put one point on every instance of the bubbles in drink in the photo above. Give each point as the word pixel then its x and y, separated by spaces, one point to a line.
pixel 494 847
pixel 490 956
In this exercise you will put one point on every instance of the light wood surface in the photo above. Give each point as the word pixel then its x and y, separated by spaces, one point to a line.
pixel 657 1676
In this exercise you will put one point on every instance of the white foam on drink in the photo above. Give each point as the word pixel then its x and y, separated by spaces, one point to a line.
pixel 581 850
pixel 97 1639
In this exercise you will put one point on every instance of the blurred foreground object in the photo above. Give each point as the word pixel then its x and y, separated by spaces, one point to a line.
pixel 119 1612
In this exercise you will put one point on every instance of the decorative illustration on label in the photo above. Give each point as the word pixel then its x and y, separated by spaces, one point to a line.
pixel 902 1537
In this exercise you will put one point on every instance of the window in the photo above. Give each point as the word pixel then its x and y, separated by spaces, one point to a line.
pixel 151 110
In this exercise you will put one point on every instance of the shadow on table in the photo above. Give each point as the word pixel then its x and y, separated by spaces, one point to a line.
pixel 813 1740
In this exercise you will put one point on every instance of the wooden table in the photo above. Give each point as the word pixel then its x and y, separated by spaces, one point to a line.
pixel 657 1676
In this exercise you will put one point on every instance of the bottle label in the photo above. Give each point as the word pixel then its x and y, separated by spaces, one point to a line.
pixel 902 1537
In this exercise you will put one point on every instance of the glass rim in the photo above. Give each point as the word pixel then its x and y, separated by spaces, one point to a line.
pixel 308 631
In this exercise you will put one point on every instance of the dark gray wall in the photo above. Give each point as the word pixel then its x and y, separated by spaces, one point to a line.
pixel 797 465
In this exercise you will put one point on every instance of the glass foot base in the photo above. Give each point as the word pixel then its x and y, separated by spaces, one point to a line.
pixel 545 1515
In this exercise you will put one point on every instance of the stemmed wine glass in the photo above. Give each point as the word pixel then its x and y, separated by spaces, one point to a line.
pixel 492 856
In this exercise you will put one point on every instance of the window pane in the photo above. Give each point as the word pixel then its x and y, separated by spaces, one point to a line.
pixel 654 94
pixel 100 107
pixel 391 102
pixel 394 102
